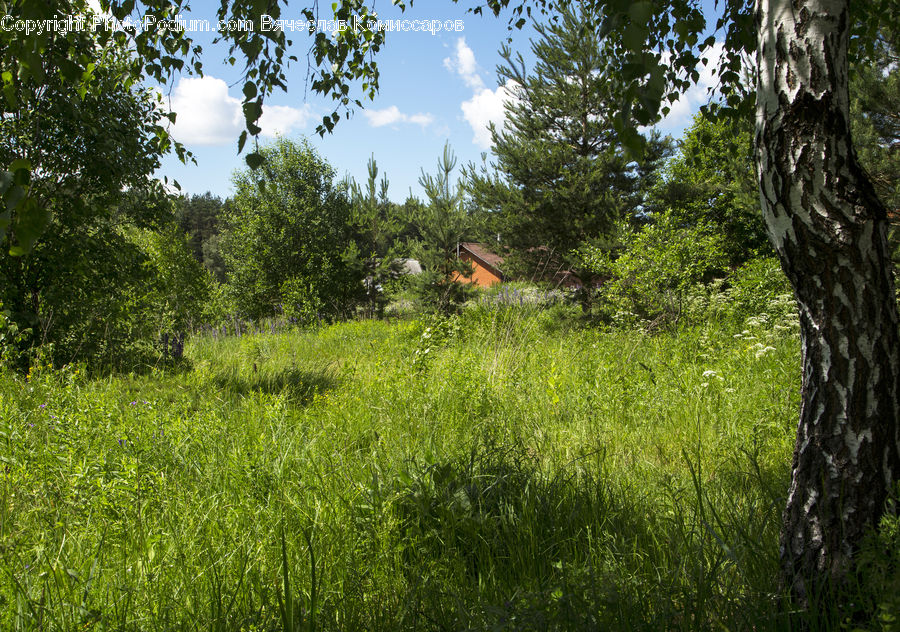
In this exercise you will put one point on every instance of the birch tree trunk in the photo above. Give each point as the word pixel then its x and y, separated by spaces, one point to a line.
pixel 828 228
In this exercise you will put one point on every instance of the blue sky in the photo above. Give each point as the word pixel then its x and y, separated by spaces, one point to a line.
pixel 435 88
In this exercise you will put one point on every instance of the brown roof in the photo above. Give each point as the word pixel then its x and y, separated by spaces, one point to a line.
pixel 484 256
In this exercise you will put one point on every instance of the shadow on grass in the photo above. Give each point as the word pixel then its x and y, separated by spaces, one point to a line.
pixel 299 385
pixel 494 541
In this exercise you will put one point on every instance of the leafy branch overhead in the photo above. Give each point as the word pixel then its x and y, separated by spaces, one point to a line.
pixel 125 29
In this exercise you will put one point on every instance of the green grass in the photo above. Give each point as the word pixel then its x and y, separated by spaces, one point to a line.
pixel 517 477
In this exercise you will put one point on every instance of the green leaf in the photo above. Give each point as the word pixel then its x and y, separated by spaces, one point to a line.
pixel 249 90
pixel 252 111
pixel 69 70
pixel 31 221
pixel 32 65
pixel 635 37
pixel 14 196
pixel 6 181
pixel 20 164
pixel 9 90
pixel 640 12
pixel 632 141
pixel 254 160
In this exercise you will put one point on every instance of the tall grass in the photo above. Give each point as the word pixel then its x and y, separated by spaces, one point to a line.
pixel 524 477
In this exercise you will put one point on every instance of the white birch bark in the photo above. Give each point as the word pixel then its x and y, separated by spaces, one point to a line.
pixel 828 228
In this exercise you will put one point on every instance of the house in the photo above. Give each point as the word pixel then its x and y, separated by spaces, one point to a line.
pixel 485 264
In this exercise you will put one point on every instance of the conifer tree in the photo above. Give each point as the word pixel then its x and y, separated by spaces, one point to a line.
pixel 875 122
pixel 559 175
pixel 377 227
pixel 442 224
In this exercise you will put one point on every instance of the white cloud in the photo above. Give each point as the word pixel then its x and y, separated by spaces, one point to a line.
pixel 682 112
pixel 392 115
pixel 463 64
pixel 421 119
pixel 208 115
pixel 281 119
pixel 94 5
pixel 486 107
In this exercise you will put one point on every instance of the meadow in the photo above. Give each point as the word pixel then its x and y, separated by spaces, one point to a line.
pixel 496 471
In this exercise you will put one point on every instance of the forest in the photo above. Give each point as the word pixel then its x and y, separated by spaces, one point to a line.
pixel 294 408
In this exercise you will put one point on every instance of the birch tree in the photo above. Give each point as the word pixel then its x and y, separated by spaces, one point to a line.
pixel 829 230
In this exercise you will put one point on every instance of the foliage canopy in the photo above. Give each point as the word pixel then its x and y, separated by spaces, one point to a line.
pixel 289 240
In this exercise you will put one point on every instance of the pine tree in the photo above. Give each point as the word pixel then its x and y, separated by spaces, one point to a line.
pixel 559 175
pixel 199 218
pixel 875 123
pixel 442 224
pixel 376 227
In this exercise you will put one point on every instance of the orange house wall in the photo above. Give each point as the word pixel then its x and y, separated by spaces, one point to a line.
pixel 481 276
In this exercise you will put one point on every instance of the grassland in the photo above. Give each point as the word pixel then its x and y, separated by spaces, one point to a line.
pixel 493 473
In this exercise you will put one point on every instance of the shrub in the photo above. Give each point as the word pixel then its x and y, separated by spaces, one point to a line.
pixel 651 281
pixel 180 287
pixel 759 286
pixel 289 231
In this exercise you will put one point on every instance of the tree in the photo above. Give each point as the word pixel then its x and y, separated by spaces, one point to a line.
pixel 442 224
pixel 827 226
pixel 73 290
pixel 67 53
pixel 829 230
pixel 875 123
pixel 199 218
pixel 69 95
pixel 560 177
pixel 178 288
pixel 376 229
pixel 823 217
pixel 708 183
pixel 289 238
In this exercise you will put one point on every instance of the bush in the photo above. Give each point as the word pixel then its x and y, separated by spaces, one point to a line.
pixel 290 238
pixel 757 287
pixel 651 282
pixel 301 301
pixel 12 340
pixel 180 289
